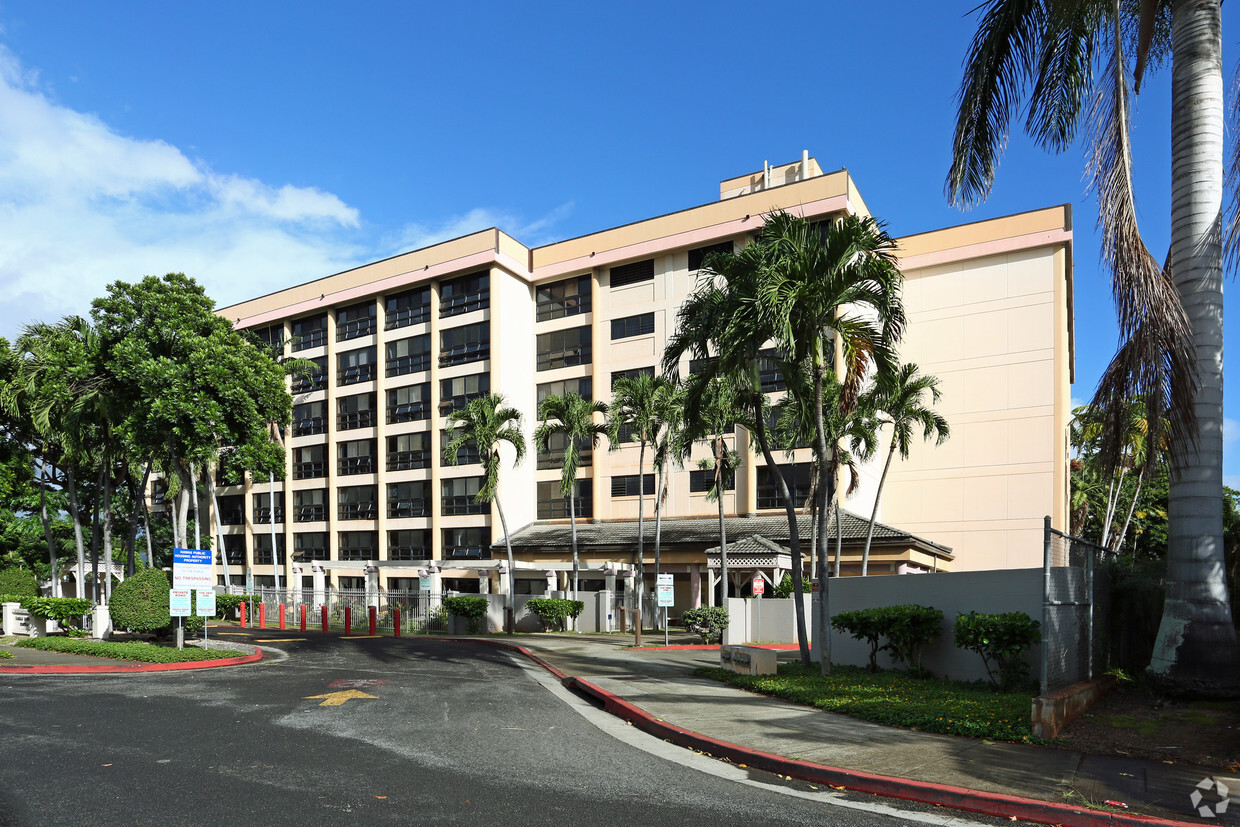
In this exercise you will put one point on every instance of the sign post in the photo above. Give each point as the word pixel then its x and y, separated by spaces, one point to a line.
pixel 205 600
pixel 191 569
pixel 667 598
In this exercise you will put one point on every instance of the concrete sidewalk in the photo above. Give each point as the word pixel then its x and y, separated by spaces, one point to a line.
pixel 661 683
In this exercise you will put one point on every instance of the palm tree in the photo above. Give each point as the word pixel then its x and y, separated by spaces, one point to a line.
pixel 832 295
pixel 670 449
pixel 900 403
pixel 1170 319
pixel 488 424
pixel 571 418
pixel 716 419
pixel 724 330
pixel 637 403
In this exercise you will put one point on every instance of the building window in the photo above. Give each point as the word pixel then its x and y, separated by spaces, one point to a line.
pixel 408 451
pixel 357 456
pixel 309 332
pixel 409 544
pixel 583 387
pixel 234 549
pixel 407 499
pixel 459 392
pixel 631 485
pixel 797 477
pixel 633 273
pixel 467 454
pixel 468 543
pixel 703 479
pixel 697 256
pixel 465 294
pixel 355 321
pixel 570 297
pixel 626 433
pixel 356 412
pixel 471 343
pixel 272 336
pixel 408 308
pixel 553 457
pixel 640 325
pixel 310 545
pixel 553 505
pixel 262 549
pixel 315 380
pixel 697 366
pixel 232 510
pixel 309 462
pixel 562 348
pixel 309 418
pixel 458 497
pixel 769 374
pixel 310 505
pixel 358 502
pixel 359 545
pixel 409 403
pixel 355 366
pixel 409 355
pixel 263 511
pixel 631 373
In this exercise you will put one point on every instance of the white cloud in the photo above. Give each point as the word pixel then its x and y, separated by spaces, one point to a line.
pixel 82 206
pixel 533 233
pixel 1231 430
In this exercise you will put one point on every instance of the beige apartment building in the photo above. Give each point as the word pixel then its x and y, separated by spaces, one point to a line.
pixel 401 342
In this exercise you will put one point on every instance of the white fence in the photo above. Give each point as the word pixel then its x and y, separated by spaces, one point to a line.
pixel 989 592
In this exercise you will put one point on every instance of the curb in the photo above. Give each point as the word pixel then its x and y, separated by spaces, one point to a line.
pixel 959 798
pixel 127 668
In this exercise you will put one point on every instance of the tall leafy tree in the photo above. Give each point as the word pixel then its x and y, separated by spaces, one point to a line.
pixel 1170 319
pixel 579 423
pixel 901 404
pixel 638 402
pixel 488 424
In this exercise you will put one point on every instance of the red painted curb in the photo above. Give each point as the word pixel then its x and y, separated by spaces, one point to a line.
pixel 137 667
pixel 959 798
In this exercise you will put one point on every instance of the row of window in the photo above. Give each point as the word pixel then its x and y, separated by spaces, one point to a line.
pixel 402 544
pixel 409 403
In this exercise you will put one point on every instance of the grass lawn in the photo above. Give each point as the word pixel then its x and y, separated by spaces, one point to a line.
pixel 142 652
pixel 896 699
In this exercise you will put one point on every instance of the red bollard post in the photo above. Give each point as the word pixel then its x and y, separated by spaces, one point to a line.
pixel 348 620
pixel 396 621
pixel 282 626
pixel 303 617
pixel 373 617
pixel 243 614
pixel 262 615
pixel 324 612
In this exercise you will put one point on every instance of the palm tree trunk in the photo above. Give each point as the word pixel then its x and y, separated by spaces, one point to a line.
pixel 94 540
pixel 219 529
pixel 639 583
pixel 720 447
pixel 107 535
pixel 512 570
pixel 794 534
pixel 135 491
pixel 869 534
pixel 572 521
pixel 1132 506
pixel 827 483
pixel 275 553
pixel 146 519
pixel 44 481
pixel 75 512
pixel 1196 647
pixel 839 532
pixel 193 476
pixel 658 529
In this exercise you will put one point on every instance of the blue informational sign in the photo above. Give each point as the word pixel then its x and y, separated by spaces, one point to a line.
pixel 191 569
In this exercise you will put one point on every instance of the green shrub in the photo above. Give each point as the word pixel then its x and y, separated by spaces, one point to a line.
pixel 785 588
pixel 708 622
pixel 18 581
pixel 66 611
pixel 555 612
pixel 5 655
pixel 226 605
pixel 140 603
pixel 906 630
pixel 473 609
pixel 1001 640
pixel 142 652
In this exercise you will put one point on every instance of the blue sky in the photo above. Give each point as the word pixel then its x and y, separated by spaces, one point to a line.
pixel 256 145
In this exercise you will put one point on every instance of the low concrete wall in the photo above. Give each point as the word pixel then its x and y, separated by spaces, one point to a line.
pixel 17 621
pixel 1054 712
pixel 989 592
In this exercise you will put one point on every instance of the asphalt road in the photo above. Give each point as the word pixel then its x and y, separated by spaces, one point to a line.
pixel 455 733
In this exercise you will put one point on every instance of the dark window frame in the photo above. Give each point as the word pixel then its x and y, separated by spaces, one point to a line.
pixel 557 348
pixel 367 417
pixel 470 348
pixel 400 507
pixel 305 337
pixel 465 294
pixel 411 362
pixel 351 326
pixel 555 506
pixel 414 410
pixel 310 512
pixel 628 327
pixel 398 550
pixel 701 480
pixel 363 463
pixel 357 372
pixel 411 459
pixel 626 485
pixel 697 255
pixel 635 272
pixel 316 381
pixel 449 402
pixel 554 301
pixel 408 308
pixel 457 505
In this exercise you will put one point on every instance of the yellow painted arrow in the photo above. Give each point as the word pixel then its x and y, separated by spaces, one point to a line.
pixel 338 698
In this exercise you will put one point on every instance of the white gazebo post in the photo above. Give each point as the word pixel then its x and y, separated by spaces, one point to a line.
pixel 436 598
pixel 294 586
pixel 550 575
pixel 372 585
pixel 320 585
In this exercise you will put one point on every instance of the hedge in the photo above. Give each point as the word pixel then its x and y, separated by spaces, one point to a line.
pixel 19 582
pixel 1001 640
pixel 554 611
pixel 142 652
pixel 140 602
pixel 708 622
pixel 473 609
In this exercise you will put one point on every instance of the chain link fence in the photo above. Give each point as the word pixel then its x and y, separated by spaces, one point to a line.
pixel 1076 602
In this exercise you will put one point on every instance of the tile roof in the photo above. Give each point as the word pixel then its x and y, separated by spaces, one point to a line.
pixel 702 532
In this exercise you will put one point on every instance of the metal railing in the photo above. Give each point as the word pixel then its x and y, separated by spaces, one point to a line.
pixel 1075 602
pixel 420 612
